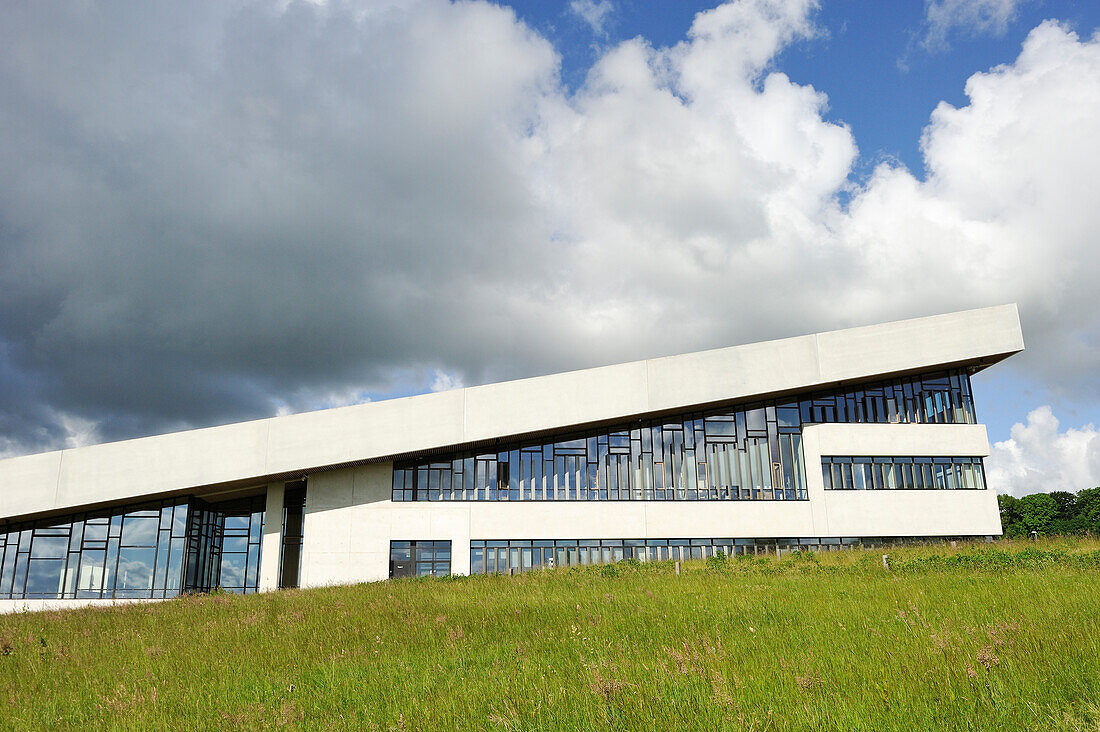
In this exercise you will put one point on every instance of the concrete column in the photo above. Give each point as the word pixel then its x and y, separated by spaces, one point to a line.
pixel 273 531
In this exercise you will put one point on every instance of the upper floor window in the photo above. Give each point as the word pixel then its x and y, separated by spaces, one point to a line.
pixel 902 473
pixel 751 453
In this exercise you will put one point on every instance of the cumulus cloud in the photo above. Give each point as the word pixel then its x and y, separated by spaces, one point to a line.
pixel 1039 458
pixel 1005 210
pixel 593 12
pixel 226 210
pixel 973 17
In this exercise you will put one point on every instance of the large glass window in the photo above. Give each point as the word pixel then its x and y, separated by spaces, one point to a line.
pixel 513 556
pixel 151 550
pixel 902 473
pixel 420 559
pixel 521 555
pixel 749 454
pixel 242 536
pixel 224 541
pixel 134 551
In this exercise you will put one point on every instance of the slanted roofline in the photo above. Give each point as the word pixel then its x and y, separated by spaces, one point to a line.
pixel 255 452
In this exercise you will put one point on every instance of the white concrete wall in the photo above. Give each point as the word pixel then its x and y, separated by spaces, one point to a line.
pixel 272 539
pixel 34 606
pixel 899 513
pixel 350 518
pixel 256 451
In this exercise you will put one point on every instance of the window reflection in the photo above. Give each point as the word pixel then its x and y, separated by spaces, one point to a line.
pixel 135 571
pixel 140 530
pixel 135 551
pixel 90 579
pixel 44 577
pixel 224 540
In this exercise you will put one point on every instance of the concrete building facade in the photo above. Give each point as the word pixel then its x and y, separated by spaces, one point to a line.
pixel 862 435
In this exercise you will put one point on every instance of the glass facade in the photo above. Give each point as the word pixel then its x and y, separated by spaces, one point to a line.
pixel 125 552
pixel 420 559
pixel 749 454
pixel 224 541
pixel 523 555
pixel 902 473
pixel 151 550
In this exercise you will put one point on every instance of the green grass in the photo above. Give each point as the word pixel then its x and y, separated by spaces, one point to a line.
pixel 983 637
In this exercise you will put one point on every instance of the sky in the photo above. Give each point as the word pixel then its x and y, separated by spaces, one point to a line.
pixel 229 209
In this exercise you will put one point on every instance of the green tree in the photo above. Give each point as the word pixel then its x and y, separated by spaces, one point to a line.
pixel 1066 521
pixel 1010 515
pixel 1009 506
pixel 1038 512
pixel 1088 509
pixel 1067 503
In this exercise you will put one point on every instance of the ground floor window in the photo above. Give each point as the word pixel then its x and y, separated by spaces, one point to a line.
pixel 134 551
pixel 290 556
pixel 420 559
pixel 224 541
pixel 512 556
pixel 148 550
pixel 521 555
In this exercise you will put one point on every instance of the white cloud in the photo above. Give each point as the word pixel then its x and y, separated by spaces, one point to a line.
pixel 445 382
pixel 1006 211
pixel 73 431
pixel 593 12
pixel 1039 458
pixel 973 17
pixel 79 431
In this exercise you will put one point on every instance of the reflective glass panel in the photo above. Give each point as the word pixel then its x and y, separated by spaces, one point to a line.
pixel 135 568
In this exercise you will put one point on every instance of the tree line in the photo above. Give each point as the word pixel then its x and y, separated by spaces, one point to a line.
pixel 1059 512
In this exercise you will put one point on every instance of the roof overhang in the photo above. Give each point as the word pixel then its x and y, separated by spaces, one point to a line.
pixel 282 448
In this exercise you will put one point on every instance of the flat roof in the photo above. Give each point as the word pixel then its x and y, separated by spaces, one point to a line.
pixel 258 451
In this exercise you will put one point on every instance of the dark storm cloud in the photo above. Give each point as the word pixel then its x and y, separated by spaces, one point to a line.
pixel 210 205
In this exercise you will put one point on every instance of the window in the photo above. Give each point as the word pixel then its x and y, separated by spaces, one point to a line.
pixel 420 559
pixel 751 453
pixel 902 473
pixel 290 555
pixel 224 541
pixel 129 551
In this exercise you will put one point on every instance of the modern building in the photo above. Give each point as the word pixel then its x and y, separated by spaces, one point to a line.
pixel 865 435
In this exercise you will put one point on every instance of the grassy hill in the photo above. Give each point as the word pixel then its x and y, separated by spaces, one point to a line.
pixel 1003 636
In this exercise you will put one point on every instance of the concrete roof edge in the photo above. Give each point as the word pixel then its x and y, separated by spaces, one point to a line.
pixel 232 453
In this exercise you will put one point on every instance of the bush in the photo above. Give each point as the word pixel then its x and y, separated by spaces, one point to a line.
pixel 718 561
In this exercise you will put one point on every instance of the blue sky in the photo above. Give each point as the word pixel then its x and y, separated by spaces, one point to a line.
pixel 868 57
pixel 229 209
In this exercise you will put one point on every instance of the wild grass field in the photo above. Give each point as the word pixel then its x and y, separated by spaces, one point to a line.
pixel 986 636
